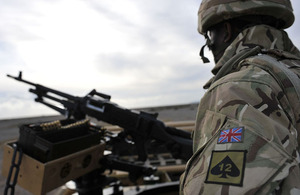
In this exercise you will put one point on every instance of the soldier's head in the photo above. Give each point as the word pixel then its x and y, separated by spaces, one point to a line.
pixel 220 21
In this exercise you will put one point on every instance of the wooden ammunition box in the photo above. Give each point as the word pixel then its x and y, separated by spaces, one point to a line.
pixel 39 178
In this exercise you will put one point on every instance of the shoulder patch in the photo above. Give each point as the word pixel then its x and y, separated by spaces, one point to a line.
pixel 234 135
pixel 227 167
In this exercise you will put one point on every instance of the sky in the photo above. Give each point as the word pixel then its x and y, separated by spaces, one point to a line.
pixel 142 53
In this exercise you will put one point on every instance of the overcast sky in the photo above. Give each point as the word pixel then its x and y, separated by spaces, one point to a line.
pixel 143 53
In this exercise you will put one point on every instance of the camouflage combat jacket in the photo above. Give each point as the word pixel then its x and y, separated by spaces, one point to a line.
pixel 245 139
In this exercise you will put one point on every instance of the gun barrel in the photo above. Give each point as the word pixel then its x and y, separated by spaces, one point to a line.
pixel 19 78
pixel 42 90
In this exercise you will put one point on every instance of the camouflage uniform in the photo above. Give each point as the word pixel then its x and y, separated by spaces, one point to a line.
pixel 245 141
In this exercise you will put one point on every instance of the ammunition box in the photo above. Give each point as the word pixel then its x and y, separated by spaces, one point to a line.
pixel 40 178
pixel 49 141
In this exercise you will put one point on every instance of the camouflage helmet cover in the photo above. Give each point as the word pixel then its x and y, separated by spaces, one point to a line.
pixel 212 12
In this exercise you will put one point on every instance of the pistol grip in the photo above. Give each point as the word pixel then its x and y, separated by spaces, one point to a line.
pixel 141 149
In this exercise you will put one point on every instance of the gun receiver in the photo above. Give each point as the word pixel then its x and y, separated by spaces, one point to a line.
pixel 141 126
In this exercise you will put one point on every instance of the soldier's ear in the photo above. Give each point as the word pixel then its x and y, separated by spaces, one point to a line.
pixel 228 32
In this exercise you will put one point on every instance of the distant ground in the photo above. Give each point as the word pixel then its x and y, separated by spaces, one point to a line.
pixel 9 128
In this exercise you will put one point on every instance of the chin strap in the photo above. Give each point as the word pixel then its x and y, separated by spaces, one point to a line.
pixel 201 54
pixel 204 59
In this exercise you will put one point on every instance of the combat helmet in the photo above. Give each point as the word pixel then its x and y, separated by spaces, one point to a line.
pixel 212 12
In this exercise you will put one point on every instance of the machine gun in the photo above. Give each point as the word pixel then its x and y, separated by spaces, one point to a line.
pixel 141 126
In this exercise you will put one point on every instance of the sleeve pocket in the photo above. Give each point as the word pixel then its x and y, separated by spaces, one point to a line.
pixel 206 128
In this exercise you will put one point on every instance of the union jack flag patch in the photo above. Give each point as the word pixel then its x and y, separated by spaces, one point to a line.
pixel 234 135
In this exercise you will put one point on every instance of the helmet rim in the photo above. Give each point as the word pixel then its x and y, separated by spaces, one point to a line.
pixel 212 12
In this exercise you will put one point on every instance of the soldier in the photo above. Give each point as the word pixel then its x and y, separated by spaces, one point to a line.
pixel 245 140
